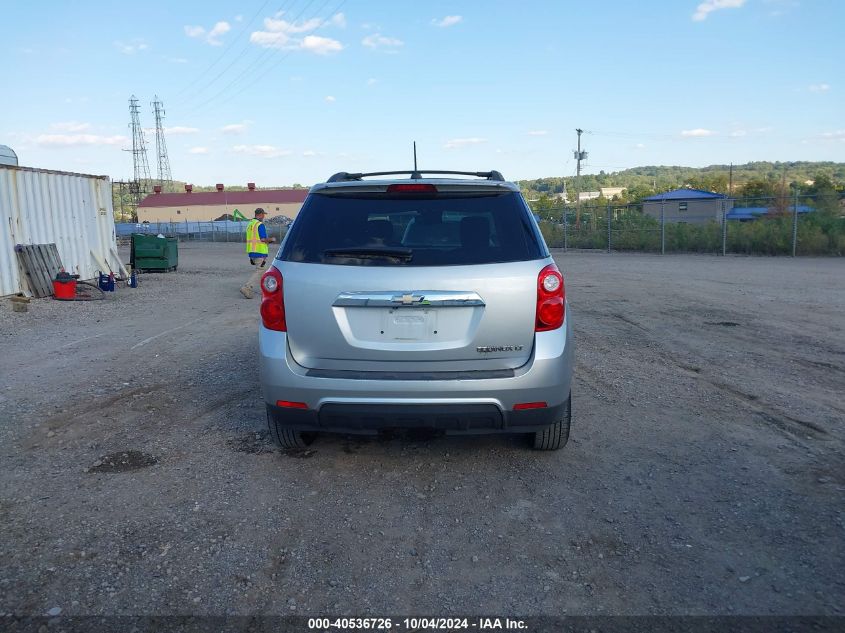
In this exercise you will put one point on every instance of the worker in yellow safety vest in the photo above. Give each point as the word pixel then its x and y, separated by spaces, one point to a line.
pixel 257 249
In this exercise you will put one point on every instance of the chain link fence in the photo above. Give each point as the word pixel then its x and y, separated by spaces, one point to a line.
pixel 220 231
pixel 796 225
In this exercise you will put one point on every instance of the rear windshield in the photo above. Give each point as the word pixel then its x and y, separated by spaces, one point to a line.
pixel 394 231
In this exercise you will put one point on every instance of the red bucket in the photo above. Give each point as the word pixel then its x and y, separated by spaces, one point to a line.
pixel 64 289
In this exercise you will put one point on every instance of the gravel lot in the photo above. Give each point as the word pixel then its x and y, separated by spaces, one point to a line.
pixel 705 473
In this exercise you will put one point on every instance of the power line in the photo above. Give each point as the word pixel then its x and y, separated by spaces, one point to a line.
pixel 257 74
pixel 232 41
pixel 194 95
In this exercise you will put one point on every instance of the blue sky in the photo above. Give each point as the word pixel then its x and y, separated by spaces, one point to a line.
pixel 290 91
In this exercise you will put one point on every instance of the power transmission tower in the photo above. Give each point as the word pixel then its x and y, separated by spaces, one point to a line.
pixel 164 177
pixel 141 168
pixel 579 156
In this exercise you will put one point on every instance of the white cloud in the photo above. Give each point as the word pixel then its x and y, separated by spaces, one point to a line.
pixel 219 29
pixel 738 133
pixel 267 39
pixel 372 81
pixel 177 130
pixel 697 133
pixel 132 47
pixel 71 126
pixel 639 146
pixel 291 28
pixel 457 143
pixel 708 6
pixel 836 135
pixel 78 140
pixel 176 60
pixel 282 34
pixel 538 133
pixel 211 37
pixel 449 20
pixel 320 45
pixel 239 18
pixel 781 7
pixel 235 128
pixel 198 150
pixel 379 41
pixel 262 151
pixel 338 20
pixel 819 87
pixel 309 153
pixel 330 99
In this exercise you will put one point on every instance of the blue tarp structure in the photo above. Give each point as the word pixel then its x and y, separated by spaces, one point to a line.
pixel 752 213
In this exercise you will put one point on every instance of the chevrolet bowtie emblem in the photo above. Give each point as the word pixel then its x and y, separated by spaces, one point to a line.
pixel 407 299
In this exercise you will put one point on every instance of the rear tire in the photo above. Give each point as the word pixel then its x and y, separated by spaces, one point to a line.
pixel 555 436
pixel 288 438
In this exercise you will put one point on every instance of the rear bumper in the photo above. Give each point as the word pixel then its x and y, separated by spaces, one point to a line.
pixel 451 418
pixel 355 402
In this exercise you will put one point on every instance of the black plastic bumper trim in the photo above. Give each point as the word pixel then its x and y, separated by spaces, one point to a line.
pixel 451 418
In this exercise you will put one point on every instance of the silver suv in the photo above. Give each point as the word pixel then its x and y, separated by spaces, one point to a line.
pixel 415 303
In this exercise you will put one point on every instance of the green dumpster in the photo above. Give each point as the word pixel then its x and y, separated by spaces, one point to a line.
pixel 150 252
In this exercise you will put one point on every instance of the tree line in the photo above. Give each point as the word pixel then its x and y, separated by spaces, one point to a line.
pixel 757 179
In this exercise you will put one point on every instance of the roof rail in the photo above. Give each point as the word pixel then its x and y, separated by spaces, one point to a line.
pixel 343 176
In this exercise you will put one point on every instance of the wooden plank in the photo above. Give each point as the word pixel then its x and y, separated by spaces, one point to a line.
pixel 46 262
pixel 41 263
pixel 40 251
pixel 104 266
pixel 55 260
pixel 121 267
pixel 36 268
pixel 30 278
pixel 42 270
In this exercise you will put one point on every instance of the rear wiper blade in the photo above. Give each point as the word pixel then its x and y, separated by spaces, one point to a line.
pixel 402 254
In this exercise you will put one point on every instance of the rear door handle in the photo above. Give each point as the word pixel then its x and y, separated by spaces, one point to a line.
pixel 409 299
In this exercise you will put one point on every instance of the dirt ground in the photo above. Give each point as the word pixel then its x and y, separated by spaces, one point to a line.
pixel 704 475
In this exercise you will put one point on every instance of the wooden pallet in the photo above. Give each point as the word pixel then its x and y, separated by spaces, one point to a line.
pixel 40 263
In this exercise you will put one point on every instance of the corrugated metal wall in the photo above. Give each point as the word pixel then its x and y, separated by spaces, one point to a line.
pixel 73 211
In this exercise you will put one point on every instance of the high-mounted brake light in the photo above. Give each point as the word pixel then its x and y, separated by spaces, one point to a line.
pixel 551 297
pixel 412 188
pixel 273 301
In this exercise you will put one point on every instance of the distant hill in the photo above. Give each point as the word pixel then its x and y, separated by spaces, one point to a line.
pixel 760 178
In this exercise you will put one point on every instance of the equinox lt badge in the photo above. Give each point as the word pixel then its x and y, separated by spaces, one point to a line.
pixel 498 348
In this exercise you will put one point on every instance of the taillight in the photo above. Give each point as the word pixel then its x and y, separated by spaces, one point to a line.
pixel 550 299
pixel 287 404
pixel 273 301
pixel 523 406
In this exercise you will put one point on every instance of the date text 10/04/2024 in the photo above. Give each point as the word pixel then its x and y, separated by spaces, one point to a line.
pixel 416 624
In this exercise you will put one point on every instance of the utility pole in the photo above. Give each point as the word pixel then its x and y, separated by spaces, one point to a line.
pixel 795 221
pixel 579 156
pixel 164 177
pixel 784 196
pixel 141 168
pixel 731 182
